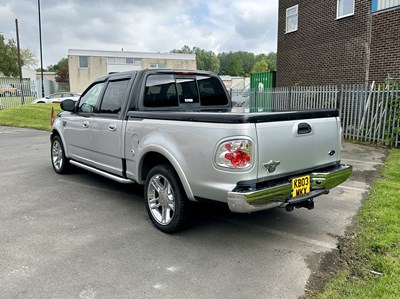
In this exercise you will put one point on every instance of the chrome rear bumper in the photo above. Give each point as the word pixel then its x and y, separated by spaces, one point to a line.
pixel 280 194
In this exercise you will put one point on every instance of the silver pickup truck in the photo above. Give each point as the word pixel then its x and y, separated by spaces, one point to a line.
pixel 175 133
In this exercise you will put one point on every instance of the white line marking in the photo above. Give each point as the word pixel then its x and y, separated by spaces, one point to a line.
pixel 361 161
pixel 287 235
pixel 353 188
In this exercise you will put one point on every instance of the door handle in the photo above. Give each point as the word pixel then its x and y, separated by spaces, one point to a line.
pixel 86 124
pixel 112 127
pixel 304 128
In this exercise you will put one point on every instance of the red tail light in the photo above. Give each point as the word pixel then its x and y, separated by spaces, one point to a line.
pixel 234 154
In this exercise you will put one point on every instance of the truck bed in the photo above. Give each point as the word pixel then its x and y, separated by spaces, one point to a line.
pixel 227 117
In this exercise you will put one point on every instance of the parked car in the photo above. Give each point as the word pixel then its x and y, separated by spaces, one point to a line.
pixel 58 97
pixel 173 132
pixel 6 90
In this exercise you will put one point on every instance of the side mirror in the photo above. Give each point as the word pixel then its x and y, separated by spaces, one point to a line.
pixel 68 105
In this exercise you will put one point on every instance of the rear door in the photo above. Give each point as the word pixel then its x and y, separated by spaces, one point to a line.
pixel 297 145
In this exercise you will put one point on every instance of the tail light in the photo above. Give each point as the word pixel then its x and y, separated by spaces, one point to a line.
pixel 234 154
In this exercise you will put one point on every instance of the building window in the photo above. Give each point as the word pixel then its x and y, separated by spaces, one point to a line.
pixel 111 60
pixel 292 14
pixel 123 60
pixel 83 61
pixel 384 4
pixel 153 66
pixel 345 8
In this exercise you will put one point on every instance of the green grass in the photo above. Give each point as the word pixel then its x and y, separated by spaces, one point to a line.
pixel 373 262
pixel 36 116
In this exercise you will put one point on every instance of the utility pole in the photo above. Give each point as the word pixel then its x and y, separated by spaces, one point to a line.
pixel 41 50
pixel 19 63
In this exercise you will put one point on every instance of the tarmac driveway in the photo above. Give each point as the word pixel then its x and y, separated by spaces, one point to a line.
pixel 82 236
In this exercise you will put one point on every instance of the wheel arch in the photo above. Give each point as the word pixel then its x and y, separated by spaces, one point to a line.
pixel 153 158
pixel 56 132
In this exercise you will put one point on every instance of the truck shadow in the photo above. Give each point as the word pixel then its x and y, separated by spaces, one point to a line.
pixel 205 217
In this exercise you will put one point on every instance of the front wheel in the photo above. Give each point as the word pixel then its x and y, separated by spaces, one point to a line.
pixel 58 159
pixel 166 201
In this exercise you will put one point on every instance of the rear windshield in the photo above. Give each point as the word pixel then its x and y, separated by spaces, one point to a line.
pixel 183 91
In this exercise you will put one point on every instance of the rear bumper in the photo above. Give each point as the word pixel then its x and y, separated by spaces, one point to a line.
pixel 279 195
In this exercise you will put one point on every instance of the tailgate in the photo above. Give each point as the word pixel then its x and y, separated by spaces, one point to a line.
pixel 297 145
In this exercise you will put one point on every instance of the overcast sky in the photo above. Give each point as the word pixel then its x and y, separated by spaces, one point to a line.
pixel 142 26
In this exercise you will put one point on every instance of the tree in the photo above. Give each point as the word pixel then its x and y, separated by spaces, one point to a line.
pixel 248 61
pixel 62 75
pixel 270 58
pixel 28 58
pixel 261 67
pixel 235 65
pixel 184 50
pixel 231 64
pixel 61 70
pixel 62 63
pixel 205 60
pixel 9 57
pixel 239 63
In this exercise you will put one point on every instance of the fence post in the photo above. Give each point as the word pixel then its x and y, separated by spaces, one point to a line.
pixel 290 98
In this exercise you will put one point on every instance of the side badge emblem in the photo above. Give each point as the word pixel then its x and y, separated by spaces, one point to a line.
pixel 271 165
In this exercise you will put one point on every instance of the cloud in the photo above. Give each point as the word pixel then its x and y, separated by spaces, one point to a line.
pixel 152 25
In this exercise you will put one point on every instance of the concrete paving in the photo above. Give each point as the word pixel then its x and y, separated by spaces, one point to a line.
pixel 82 236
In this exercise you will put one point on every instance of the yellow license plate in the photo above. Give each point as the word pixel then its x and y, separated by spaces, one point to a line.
pixel 301 186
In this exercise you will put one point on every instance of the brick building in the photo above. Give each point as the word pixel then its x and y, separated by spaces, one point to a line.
pixel 334 42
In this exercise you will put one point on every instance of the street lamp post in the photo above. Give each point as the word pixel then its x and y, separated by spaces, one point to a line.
pixel 41 50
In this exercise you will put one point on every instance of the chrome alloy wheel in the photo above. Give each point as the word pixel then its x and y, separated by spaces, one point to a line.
pixel 161 199
pixel 57 155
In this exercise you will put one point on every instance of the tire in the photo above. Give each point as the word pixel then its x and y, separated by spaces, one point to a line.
pixel 166 201
pixel 58 159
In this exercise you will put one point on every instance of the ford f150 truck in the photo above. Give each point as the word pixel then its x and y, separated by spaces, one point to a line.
pixel 175 133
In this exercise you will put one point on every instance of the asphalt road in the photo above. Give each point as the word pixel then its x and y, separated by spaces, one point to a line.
pixel 82 236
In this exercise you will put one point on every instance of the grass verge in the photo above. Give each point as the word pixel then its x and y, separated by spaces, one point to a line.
pixel 370 258
pixel 35 116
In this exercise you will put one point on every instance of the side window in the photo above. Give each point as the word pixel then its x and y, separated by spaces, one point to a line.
pixel 90 99
pixel 114 97
pixel 55 96
pixel 160 91
pixel 211 91
pixel 187 90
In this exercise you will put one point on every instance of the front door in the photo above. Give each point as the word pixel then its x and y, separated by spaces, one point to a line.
pixel 107 129
pixel 77 126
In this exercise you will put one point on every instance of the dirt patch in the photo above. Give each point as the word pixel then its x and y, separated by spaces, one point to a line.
pixel 330 263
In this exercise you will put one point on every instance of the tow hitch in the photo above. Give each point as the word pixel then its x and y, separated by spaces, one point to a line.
pixel 308 204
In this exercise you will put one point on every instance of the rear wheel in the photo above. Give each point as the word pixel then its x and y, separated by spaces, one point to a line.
pixel 166 201
pixel 58 159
